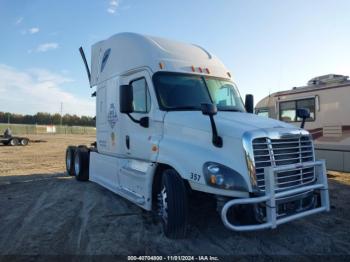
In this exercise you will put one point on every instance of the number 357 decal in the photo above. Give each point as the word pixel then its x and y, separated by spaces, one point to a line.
pixel 194 176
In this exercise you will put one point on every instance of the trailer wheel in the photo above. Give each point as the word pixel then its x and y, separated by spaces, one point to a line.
pixel 173 206
pixel 24 141
pixel 81 163
pixel 70 160
pixel 14 142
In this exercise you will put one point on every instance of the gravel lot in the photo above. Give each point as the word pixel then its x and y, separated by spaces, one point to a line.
pixel 44 212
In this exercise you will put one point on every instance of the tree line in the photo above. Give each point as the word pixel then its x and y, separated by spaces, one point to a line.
pixel 41 118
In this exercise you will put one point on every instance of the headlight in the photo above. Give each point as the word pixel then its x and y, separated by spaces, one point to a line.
pixel 221 176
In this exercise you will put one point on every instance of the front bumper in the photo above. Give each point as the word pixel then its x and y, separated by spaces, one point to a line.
pixel 271 198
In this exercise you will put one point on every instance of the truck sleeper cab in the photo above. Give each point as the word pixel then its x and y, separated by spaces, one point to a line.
pixel 170 120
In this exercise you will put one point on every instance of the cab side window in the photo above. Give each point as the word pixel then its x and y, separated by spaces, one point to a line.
pixel 142 99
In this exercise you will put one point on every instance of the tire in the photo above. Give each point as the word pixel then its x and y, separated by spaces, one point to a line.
pixel 173 204
pixel 81 164
pixel 70 160
pixel 14 142
pixel 24 141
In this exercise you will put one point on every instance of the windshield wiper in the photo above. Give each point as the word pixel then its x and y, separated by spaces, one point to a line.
pixel 183 108
pixel 229 109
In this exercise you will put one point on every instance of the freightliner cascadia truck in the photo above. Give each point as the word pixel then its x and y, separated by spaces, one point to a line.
pixel 170 122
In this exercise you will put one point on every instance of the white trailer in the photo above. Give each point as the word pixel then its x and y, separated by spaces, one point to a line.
pixel 170 120
pixel 327 98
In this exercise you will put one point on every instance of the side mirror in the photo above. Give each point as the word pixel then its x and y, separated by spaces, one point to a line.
pixel 209 109
pixel 303 113
pixel 125 99
pixel 249 103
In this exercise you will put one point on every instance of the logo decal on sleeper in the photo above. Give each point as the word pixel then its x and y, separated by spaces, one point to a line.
pixel 112 116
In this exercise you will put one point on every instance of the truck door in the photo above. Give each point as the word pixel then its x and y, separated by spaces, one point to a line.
pixel 141 143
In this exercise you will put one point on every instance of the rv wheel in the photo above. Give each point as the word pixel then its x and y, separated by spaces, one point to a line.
pixel 81 164
pixel 172 201
pixel 14 142
pixel 70 160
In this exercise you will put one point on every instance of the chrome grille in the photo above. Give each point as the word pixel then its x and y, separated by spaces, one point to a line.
pixel 284 151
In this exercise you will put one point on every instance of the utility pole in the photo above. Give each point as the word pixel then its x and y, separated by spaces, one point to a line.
pixel 61 111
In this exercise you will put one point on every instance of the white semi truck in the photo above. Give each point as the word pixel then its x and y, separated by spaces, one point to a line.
pixel 170 121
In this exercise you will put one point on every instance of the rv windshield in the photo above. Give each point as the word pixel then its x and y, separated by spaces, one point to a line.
pixel 187 92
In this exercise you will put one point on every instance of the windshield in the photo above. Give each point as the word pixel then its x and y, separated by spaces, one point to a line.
pixel 187 92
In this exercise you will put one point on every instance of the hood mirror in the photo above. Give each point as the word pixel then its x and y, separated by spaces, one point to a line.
pixel 211 110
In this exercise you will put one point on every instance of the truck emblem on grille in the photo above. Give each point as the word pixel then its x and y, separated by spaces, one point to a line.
pixel 112 116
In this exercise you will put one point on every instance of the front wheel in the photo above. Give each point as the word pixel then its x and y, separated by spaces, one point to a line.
pixel 173 205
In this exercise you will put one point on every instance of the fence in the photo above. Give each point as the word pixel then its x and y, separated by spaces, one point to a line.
pixel 19 129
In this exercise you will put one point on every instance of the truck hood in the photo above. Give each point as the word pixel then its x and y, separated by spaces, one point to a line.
pixel 232 124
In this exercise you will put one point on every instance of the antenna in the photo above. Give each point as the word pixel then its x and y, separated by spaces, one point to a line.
pixel 86 64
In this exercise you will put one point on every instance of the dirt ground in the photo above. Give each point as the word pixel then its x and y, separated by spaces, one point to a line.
pixel 44 212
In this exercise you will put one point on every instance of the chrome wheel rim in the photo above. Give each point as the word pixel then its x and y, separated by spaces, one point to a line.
pixel 163 205
pixel 76 164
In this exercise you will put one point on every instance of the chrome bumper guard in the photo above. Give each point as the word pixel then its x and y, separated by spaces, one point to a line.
pixel 271 196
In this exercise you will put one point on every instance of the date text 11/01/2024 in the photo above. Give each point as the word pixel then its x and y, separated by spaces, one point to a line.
pixel 173 258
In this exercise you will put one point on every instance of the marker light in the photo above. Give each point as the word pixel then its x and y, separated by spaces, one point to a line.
pixel 192 67
pixel 208 72
pixel 229 75
pixel 161 65
pixel 217 180
pixel 154 148
pixel 200 69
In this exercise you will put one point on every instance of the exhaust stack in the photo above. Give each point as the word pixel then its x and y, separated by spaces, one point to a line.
pixel 86 64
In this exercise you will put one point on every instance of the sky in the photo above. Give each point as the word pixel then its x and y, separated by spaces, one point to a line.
pixel 268 45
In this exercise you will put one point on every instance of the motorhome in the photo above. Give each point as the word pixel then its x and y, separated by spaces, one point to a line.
pixel 170 121
pixel 327 98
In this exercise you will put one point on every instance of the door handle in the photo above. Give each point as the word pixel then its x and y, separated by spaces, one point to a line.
pixel 127 142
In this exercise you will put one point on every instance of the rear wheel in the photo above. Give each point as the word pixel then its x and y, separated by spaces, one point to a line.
pixel 24 141
pixel 81 164
pixel 70 160
pixel 173 206
pixel 14 142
